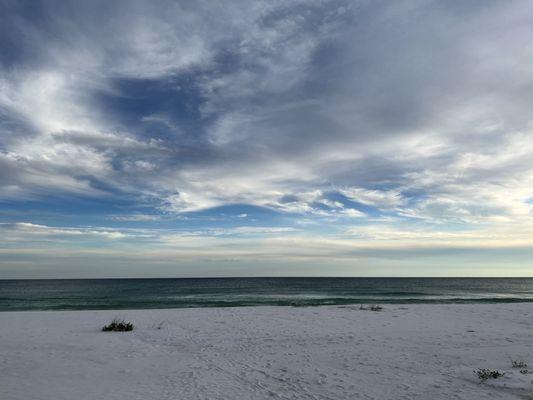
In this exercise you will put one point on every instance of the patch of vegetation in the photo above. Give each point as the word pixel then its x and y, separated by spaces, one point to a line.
pixel 519 364
pixel 118 326
pixel 374 307
pixel 484 373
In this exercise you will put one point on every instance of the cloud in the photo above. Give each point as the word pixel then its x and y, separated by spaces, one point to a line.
pixel 30 250
pixel 321 112
pixel 137 217
pixel 384 199
pixel 23 231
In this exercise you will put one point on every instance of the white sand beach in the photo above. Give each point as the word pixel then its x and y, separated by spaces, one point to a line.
pixel 402 352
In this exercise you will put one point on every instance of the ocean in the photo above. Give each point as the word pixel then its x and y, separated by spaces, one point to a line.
pixel 99 294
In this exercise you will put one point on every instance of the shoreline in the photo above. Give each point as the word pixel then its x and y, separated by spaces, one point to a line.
pixel 340 305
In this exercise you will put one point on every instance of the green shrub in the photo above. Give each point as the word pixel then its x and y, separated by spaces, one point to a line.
pixel 484 373
pixel 118 326
pixel 519 364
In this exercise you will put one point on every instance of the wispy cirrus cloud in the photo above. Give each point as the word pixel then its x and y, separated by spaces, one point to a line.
pixel 318 116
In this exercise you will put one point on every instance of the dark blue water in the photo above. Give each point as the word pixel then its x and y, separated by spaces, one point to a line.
pixel 232 292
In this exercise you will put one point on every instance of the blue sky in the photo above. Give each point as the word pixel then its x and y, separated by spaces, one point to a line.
pixel 315 138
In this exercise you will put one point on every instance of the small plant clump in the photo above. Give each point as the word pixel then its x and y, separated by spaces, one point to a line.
pixel 519 364
pixel 484 373
pixel 374 307
pixel 118 326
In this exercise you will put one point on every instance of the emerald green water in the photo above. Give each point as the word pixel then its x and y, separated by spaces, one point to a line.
pixel 234 292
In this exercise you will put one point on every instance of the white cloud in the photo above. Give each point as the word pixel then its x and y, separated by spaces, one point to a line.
pixel 22 231
pixel 419 110
pixel 383 199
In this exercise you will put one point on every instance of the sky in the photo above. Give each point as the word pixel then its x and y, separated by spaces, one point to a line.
pixel 266 138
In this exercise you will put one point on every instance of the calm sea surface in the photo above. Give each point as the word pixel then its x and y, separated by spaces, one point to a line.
pixel 231 292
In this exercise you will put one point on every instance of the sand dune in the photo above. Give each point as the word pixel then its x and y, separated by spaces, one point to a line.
pixel 402 352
